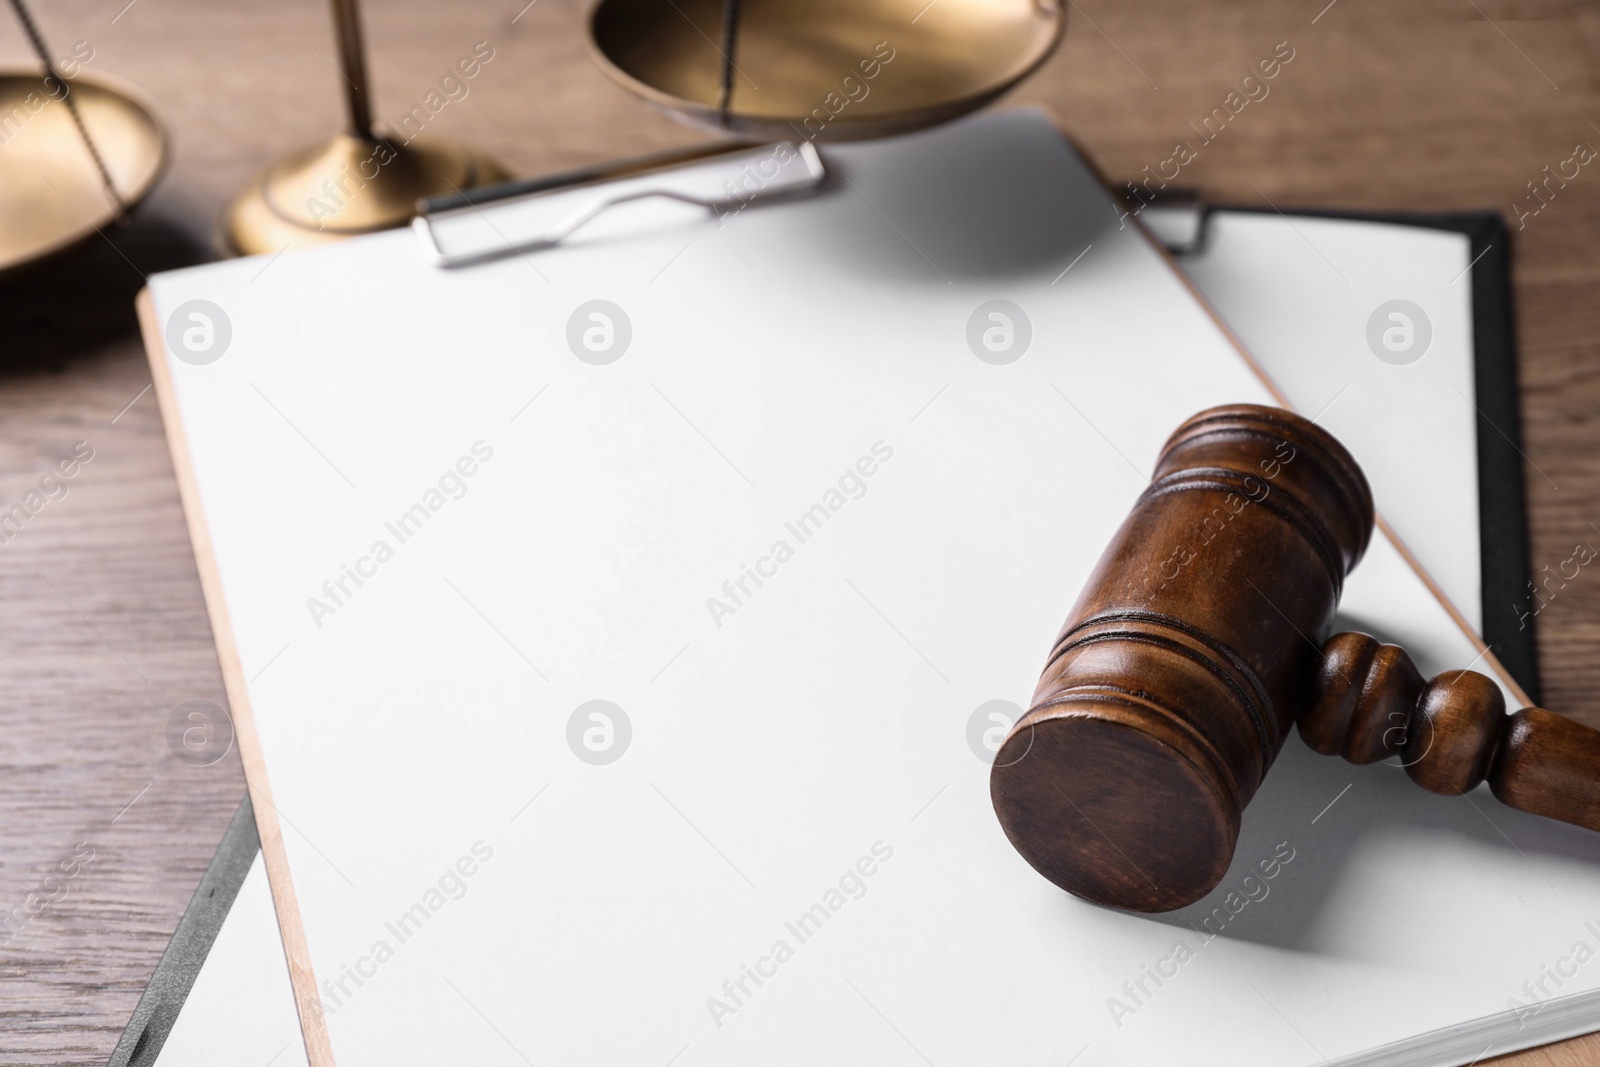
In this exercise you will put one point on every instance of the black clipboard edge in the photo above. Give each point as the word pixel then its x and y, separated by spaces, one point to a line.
pixel 1505 556
pixel 174 976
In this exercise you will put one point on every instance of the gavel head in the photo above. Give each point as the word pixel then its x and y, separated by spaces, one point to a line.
pixel 1180 670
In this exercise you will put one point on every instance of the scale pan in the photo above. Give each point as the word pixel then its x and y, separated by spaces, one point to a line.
pixel 53 193
pixel 830 70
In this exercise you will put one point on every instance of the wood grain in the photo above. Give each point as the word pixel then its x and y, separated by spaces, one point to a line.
pixel 1427 106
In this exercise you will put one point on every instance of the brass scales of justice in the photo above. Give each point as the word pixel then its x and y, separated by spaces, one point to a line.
pixel 745 69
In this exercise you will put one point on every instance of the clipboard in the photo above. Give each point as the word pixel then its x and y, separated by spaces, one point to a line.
pixel 1183 227
pixel 1069 267
pixel 1183 221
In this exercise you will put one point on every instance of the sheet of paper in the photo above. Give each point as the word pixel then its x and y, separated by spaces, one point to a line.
pixel 1397 391
pixel 793 793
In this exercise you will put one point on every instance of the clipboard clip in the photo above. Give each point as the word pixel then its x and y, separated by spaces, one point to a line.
pixel 530 215
pixel 1178 218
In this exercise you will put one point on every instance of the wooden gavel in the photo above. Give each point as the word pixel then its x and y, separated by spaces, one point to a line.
pixel 1194 647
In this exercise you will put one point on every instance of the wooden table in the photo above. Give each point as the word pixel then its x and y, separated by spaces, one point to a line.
pixel 1427 105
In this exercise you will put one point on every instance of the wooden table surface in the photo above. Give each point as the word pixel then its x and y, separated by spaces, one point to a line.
pixel 1426 105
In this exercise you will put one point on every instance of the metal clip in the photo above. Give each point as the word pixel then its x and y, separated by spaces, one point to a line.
pixel 539 213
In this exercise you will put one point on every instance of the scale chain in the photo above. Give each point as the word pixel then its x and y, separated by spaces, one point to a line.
pixel 51 74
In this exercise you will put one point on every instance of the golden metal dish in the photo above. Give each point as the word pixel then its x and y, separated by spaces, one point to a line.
pixel 51 194
pixel 824 69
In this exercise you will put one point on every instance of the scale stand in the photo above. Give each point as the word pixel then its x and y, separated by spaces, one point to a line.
pixel 357 182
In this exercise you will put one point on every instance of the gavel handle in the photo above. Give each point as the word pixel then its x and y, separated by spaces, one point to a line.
pixel 1450 732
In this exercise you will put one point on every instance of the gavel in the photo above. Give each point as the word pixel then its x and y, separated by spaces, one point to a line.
pixel 1202 637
